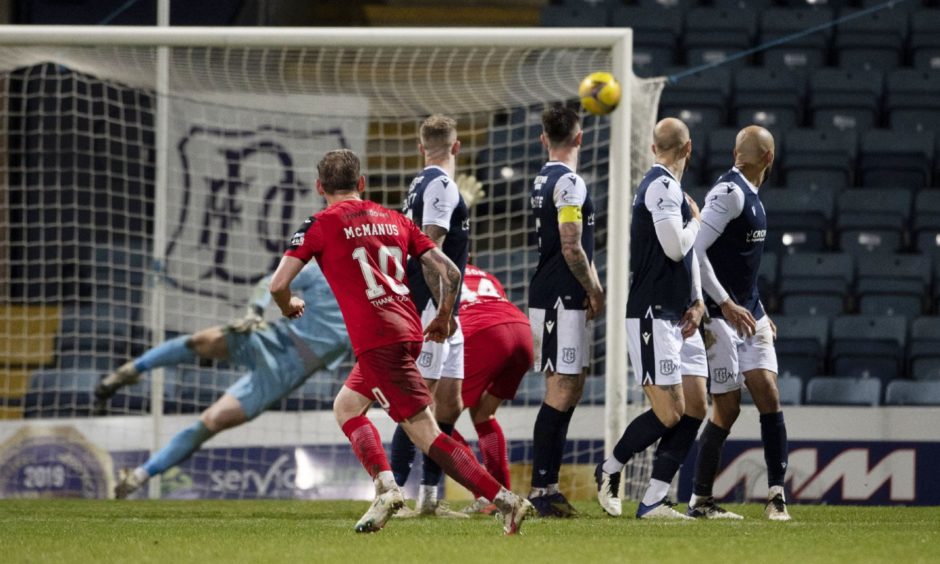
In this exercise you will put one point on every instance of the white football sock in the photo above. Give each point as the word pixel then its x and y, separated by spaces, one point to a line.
pixel 141 475
pixel 656 491
pixel 612 465
pixel 427 495
pixel 384 481
pixel 774 490
pixel 696 500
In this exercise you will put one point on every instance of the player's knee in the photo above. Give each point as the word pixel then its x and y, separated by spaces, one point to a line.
pixel 215 420
pixel 696 407
pixel 726 413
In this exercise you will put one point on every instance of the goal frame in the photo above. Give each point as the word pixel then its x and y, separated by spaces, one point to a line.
pixel 618 40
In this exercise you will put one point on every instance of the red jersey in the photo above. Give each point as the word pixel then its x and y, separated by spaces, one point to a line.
pixel 361 248
pixel 483 303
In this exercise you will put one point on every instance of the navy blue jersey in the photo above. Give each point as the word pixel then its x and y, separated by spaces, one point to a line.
pixel 658 283
pixel 433 199
pixel 556 187
pixel 734 211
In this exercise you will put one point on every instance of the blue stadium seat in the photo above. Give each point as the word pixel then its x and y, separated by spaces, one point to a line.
pixel 656 33
pixel 758 6
pixel 926 226
pixel 846 99
pixel 790 389
pixel 580 15
pixel 924 352
pixel 873 220
pixel 868 346
pixel 892 284
pixel 824 390
pixel 714 34
pixel 701 100
pixel 819 157
pixel 905 392
pixel 678 5
pixel 769 97
pixel 925 38
pixel 801 218
pixel 895 158
pixel 802 342
pixel 802 54
pixel 815 283
pixel 911 100
pixel 872 41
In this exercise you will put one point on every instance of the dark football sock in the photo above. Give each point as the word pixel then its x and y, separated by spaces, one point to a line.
pixel 403 455
pixel 709 457
pixel 544 441
pixel 673 448
pixel 558 450
pixel 773 432
pixel 638 436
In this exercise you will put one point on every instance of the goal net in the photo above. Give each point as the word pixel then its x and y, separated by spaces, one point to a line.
pixel 138 204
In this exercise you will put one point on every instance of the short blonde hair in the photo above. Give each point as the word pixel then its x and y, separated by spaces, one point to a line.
pixel 438 132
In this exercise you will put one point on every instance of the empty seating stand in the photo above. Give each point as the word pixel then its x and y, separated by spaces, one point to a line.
pixel 825 390
pixel 911 100
pixel 815 283
pixel 926 225
pixel 802 342
pixel 892 284
pixel 904 392
pixel 845 99
pixel 701 99
pixel 714 34
pixel 895 158
pixel 873 220
pixel 802 54
pixel 925 39
pixel 656 34
pixel 815 158
pixel 581 14
pixel 868 346
pixel 801 217
pixel 770 97
pixel 924 352
pixel 874 41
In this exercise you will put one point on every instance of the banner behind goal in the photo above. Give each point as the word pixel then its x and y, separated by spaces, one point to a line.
pixel 150 178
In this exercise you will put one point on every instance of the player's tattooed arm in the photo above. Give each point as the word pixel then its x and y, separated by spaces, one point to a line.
pixel 436 233
pixel 443 279
pixel 581 267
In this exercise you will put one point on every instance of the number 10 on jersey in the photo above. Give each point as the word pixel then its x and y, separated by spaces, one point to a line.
pixel 385 255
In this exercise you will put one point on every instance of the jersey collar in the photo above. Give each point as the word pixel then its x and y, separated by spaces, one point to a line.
pixel 434 166
pixel 559 163
pixel 744 178
pixel 666 170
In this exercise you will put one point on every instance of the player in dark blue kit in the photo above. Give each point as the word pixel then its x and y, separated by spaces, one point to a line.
pixel 434 203
pixel 565 296
pixel 664 310
pixel 739 335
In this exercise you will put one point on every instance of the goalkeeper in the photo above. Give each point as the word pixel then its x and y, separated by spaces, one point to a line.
pixel 280 357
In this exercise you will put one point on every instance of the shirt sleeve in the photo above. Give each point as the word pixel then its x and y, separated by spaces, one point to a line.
pixel 723 203
pixel 440 198
pixel 570 190
pixel 418 242
pixel 306 242
pixel 664 199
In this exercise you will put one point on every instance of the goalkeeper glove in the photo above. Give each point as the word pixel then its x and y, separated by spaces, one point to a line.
pixel 471 189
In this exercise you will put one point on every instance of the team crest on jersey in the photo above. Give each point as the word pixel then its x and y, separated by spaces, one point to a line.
pixel 425 359
pixel 567 355
pixel 667 367
pixel 721 375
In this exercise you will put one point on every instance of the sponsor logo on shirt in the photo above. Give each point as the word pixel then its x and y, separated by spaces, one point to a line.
pixel 756 236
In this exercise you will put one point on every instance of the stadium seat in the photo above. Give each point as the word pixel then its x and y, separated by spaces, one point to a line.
pixel 700 100
pixel 714 34
pixel 802 342
pixel 815 283
pixel 873 41
pixel 801 54
pixel 895 158
pixel 789 388
pixel 656 33
pixel 892 284
pixel 801 218
pixel 580 15
pixel 679 5
pixel 767 279
pixel 873 220
pixel 825 390
pixel 924 352
pixel 846 99
pixel 911 100
pixel 905 392
pixel 868 346
pixel 769 97
pixel 926 225
pixel 925 39
pixel 819 157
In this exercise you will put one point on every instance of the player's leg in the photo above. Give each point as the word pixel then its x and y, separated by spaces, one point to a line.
pixel 722 343
pixel 655 351
pixel 759 365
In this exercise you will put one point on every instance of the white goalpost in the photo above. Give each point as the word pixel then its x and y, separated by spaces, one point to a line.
pixel 152 175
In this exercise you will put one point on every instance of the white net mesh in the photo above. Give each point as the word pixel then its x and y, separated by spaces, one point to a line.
pixel 246 128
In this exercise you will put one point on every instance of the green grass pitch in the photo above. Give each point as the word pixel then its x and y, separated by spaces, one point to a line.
pixel 166 532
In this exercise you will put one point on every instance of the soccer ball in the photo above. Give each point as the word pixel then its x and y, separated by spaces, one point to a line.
pixel 599 93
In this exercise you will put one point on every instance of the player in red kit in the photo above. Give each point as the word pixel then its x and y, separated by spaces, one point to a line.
pixel 498 353
pixel 361 248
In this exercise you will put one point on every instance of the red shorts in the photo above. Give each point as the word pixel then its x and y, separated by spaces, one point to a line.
pixel 495 360
pixel 390 376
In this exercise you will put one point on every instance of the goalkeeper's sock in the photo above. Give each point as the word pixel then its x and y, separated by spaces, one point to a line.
pixel 673 448
pixel 367 444
pixel 558 449
pixel 403 455
pixel 544 441
pixel 170 353
pixel 459 463
pixel 708 459
pixel 180 447
pixel 493 449
pixel 431 475
pixel 773 433
pixel 637 437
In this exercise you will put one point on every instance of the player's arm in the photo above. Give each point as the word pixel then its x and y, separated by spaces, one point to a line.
pixel 693 316
pixel 291 306
pixel 664 201
pixel 443 279
pixel 722 204
pixel 570 194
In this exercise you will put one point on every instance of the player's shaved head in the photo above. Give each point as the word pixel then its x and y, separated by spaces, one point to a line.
pixel 670 134
pixel 339 171
pixel 752 144
pixel 438 133
pixel 560 125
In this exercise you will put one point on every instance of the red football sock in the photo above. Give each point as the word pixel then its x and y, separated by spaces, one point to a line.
pixel 367 445
pixel 493 449
pixel 455 434
pixel 459 463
